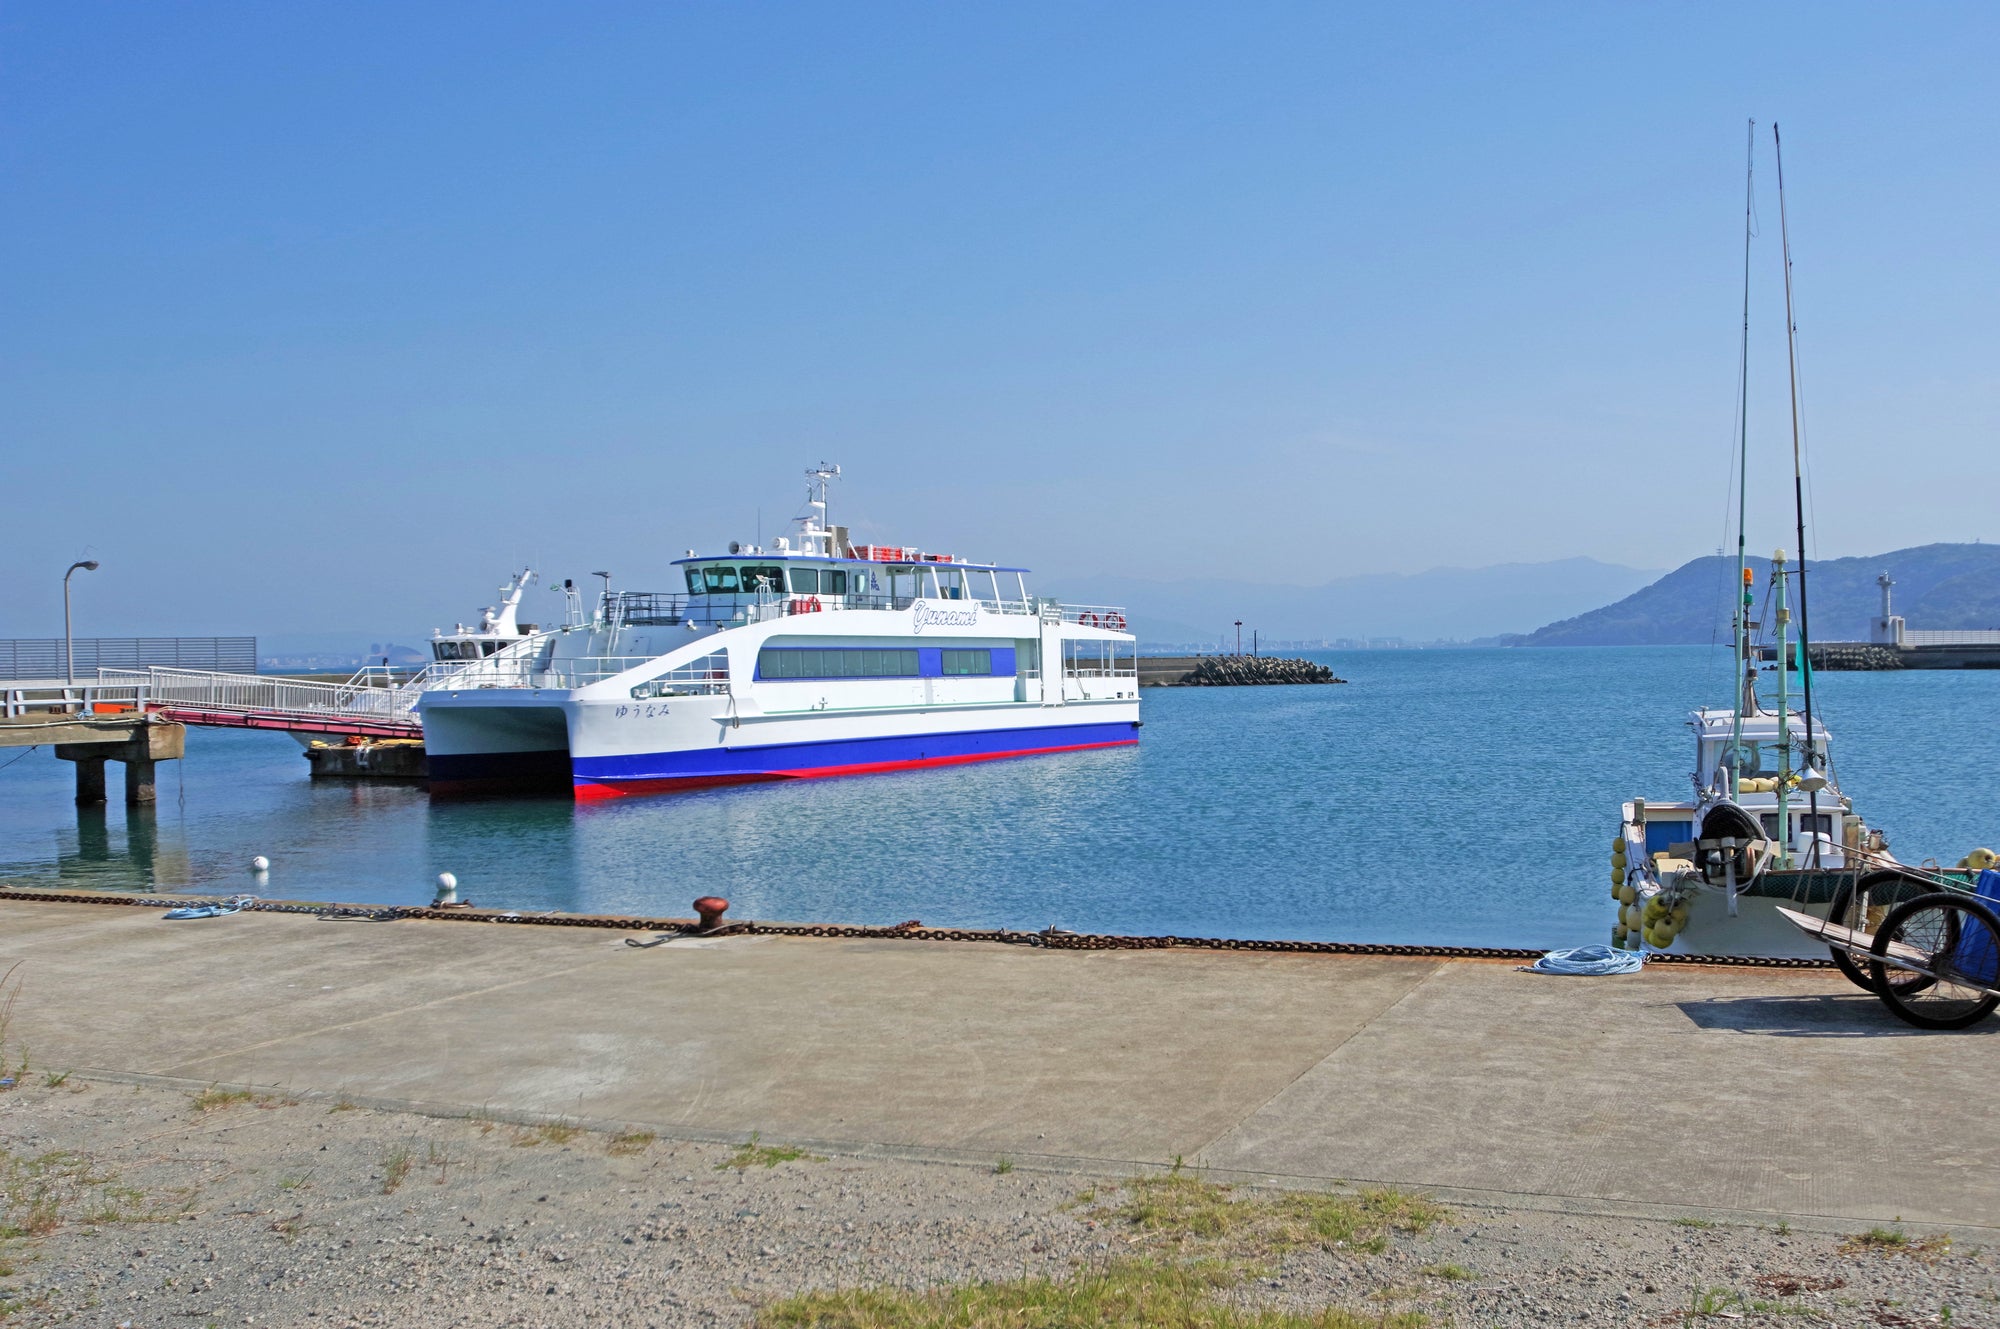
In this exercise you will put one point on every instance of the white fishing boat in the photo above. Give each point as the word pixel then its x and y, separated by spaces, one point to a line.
pixel 814 657
pixel 1768 826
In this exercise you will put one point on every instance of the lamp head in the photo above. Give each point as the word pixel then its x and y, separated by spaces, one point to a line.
pixel 1811 780
pixel 88 565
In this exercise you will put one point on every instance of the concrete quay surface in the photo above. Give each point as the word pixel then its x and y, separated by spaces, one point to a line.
pixel 1699 1091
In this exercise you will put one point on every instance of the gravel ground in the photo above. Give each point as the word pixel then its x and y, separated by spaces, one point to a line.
pixel 151 1211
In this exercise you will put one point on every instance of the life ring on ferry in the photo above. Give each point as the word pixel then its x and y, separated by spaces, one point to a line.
pixel 1086 619
pixel 1115 621
pixel 813 605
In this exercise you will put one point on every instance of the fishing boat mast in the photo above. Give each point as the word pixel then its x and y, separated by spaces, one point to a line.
pixel 1740 620
pixel 1799 508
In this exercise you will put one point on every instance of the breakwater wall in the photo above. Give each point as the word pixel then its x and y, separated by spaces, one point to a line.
pixel 1861 655
pixel 1221 671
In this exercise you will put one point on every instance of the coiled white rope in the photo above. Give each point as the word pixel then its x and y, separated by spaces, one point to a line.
pixel 1590 962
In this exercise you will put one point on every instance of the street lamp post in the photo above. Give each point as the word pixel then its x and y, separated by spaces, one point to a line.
pixel 69 640
pixel 1239 636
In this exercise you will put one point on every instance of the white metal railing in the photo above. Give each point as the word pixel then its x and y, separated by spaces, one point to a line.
pixel 1946 637
pixel 206 690
pixel 707 676
pixel 572 671
pixel 71 699
pixel 1095 616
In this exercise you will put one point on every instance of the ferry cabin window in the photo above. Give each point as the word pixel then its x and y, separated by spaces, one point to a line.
pixel 832 662
pixel 696 586
pixel 832 581
pixel 763 579
pixel 967 662
pixel 720 580
pixel 805 581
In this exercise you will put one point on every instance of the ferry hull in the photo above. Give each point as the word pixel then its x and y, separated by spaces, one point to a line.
pixel 604 777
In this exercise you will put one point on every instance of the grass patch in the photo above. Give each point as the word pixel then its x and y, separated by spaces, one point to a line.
pixel 1693 1222
pixel 1450 1273
pixel 1728 1303
pixel 631 1142
pixel 1127 1294
pixel 345 1105
pixel 549 1132
pixel 396 1165
pixel 45 1192
pixel 213 1099
pixel 1187 1213
pixel 54 1079
pixel 751 1154
pixel 1895 1241
pixel 1003 1166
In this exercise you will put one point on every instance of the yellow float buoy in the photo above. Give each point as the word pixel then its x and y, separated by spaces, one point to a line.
pixel 1628 893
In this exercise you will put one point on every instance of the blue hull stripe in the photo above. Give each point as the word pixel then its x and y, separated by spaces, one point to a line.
pixel 782 759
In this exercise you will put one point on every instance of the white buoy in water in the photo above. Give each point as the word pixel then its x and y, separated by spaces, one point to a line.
pixel 447 891
pixel 260 864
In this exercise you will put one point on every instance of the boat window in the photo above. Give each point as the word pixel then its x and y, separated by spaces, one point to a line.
pixel 835 662
pixel 968 662
pixel 763 579
pixel 695 584
pixel 488 647
pixel 833 581
pixel 860 582
pixel 719 579
pixel 805 581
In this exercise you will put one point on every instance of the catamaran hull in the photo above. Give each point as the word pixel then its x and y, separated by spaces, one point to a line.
pixel 491 743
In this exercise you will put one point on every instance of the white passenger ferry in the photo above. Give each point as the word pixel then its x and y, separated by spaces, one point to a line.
pixel 816 657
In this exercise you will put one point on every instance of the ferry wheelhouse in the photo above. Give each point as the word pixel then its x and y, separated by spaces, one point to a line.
pixel 814 657
pixel 498 628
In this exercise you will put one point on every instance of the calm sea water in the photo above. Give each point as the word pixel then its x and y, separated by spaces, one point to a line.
pixel 1462 797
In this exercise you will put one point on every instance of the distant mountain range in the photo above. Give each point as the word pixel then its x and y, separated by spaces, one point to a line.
pixel 1442 604
pixel 1937 586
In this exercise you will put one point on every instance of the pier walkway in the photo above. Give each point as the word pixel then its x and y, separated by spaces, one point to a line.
pixel 1681 1091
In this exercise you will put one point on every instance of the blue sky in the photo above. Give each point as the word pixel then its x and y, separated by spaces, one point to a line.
pixel 325 316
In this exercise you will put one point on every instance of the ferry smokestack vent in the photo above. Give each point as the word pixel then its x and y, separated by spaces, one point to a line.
pixel 711 908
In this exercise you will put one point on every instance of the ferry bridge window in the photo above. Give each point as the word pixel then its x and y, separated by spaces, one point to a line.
pixel 805 581
pixel 763 579
pixel 720 580
pixel 968 662
pixel 835 662
pixel 695 583
pixel 832 581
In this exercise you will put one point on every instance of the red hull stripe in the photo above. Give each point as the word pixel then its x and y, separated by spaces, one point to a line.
pixel 591 791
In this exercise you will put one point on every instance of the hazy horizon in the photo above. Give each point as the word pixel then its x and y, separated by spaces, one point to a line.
pixel 326 317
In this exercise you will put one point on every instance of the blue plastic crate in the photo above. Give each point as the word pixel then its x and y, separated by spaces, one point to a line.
pixel 1978 953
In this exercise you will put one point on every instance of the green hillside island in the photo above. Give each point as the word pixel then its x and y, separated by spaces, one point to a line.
pixel 1937 586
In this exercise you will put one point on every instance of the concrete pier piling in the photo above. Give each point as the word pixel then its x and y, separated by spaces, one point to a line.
pixel 89 738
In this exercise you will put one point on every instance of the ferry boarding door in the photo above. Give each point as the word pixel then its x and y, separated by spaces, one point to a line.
pixel 1052 656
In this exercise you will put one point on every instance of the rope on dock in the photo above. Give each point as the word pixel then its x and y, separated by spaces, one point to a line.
pixel 1056 939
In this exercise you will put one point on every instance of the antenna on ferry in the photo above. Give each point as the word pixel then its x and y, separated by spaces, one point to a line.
pixel 816 522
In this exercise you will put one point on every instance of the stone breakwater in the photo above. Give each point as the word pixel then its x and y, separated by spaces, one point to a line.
pixel 1237 670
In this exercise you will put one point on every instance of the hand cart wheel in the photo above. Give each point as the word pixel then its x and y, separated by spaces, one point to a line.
pixel 1957 939
pixel 1861 905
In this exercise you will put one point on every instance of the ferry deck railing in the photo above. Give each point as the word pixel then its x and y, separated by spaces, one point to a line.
pixel 651 609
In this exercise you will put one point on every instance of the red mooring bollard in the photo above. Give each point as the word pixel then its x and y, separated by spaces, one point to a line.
pixel 711 909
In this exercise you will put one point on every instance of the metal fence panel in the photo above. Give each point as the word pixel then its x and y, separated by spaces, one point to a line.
pixel 42 657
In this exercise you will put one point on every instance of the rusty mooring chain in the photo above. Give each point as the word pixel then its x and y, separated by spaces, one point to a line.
pixel 1055 939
